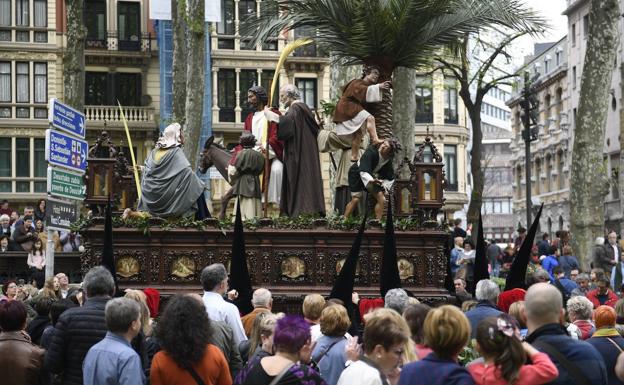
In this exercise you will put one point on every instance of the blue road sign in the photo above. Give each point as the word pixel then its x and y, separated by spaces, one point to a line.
pixel 66 151
pixel 65 118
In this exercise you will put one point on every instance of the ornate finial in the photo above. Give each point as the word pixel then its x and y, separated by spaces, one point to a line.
pixel 427 131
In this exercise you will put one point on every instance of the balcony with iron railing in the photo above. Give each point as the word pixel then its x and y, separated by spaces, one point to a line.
pixel 111 42
pixel 136 116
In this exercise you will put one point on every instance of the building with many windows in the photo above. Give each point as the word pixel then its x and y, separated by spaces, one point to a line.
pixel 550 153
pixel 28 77
pixel 120 65
pixel 440 111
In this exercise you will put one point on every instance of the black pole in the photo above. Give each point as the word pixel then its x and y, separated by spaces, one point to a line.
pixel 527 144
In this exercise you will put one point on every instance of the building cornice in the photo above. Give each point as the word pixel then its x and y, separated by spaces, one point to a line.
pixel 573 5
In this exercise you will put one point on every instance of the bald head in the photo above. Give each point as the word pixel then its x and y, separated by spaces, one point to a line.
pixel 543 305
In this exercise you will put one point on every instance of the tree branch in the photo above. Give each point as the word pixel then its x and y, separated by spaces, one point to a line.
pixel 485 66
pixel 457 70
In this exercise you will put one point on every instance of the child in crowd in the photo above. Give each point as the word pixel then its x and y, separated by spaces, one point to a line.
pixel 499 342
pixel 36 262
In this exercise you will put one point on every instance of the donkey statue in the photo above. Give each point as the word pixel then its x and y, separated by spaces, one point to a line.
pixel 216 155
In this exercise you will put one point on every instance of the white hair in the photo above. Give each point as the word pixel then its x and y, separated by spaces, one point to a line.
pixel 261 297
pixel 487 290
pixel 291 91
pixel 580 308
pixel 4 217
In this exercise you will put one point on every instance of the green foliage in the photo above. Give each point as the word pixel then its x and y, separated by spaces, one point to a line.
pixel 328 107
pixel 302 222
pixel 500 282
pixel 393 32
pixel 469 353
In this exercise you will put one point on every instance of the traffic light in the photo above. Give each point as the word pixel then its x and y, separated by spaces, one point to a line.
pixel 533 108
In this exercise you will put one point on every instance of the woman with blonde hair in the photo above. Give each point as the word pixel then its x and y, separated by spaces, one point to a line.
pixel 260 342
pixel 143 343
pixel 51 288
pixel 329 352
pixel 385 336
pixel 141 298
pixel 447 331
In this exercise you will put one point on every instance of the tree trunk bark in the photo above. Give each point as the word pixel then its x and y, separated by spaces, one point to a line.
pixel 405 114
pixel 476 168
pixel 73 57
pixel 589 182
pixel 179 68
pixel 195 79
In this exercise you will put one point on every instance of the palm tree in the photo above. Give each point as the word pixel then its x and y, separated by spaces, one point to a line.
pixel 388 33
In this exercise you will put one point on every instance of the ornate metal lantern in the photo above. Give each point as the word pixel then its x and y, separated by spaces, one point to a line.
pixel 428 170
pixel 404 190
pixel 108 176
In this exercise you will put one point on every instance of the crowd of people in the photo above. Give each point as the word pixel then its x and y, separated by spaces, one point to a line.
pixel 89 335
pixel 28 233
pixel 566 327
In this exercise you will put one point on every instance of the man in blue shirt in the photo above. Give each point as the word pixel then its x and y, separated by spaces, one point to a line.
pixel 112 361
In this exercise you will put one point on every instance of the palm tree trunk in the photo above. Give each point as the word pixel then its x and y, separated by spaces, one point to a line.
pixel 405 113
pixel 589 182
pixel 383 111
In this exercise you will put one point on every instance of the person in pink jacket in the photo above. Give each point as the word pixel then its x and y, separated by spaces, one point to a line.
pixel 504 356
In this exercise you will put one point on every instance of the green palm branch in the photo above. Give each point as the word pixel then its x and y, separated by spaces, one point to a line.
pixel 388 33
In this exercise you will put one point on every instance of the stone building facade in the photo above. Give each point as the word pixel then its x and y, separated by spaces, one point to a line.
pixel 551 153
pixel 441 113
pixel 121 63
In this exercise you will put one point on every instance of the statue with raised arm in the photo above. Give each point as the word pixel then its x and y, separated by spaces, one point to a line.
pixel 351 115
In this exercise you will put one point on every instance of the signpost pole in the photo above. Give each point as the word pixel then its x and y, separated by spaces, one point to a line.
pixel 66 148
pixel 49 269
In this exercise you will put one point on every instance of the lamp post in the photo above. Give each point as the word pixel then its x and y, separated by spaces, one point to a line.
pixel 529 106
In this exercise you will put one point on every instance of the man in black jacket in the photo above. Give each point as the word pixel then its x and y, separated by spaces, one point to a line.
pixel 78 329
pixel 577 361
pixel 374 173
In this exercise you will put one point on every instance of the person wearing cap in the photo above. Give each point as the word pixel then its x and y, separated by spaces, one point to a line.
pixel 170 187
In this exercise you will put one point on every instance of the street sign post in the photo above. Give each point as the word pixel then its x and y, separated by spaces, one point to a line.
pixel 65 184
pixel 67 119
pixel 66 151
pixel 60 214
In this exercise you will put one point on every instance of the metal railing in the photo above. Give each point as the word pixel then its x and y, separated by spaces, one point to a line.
pixel 111 42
